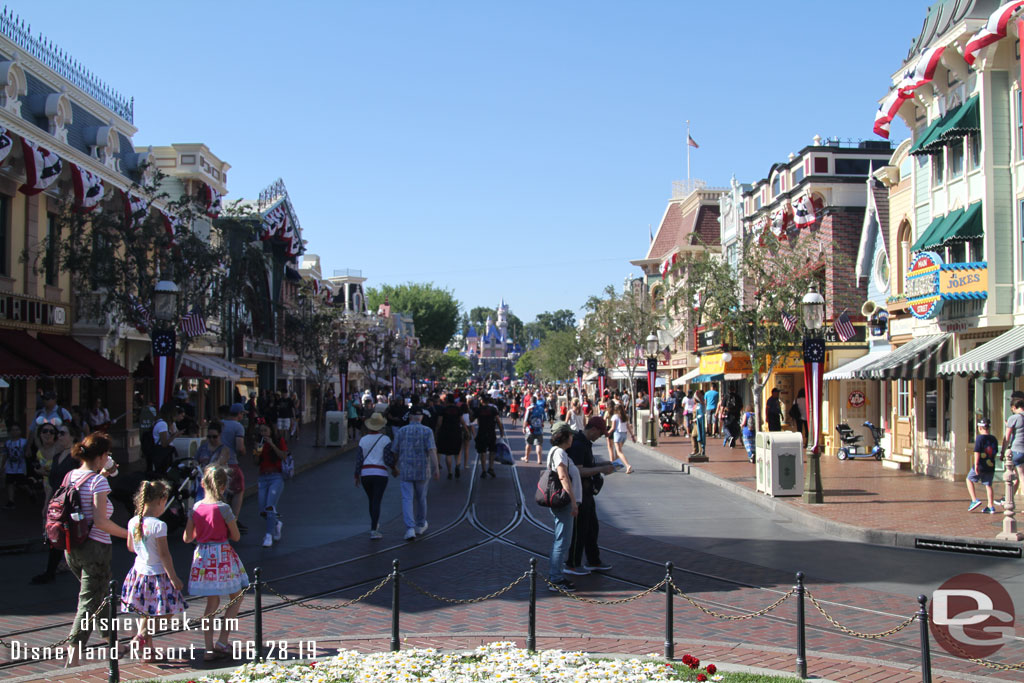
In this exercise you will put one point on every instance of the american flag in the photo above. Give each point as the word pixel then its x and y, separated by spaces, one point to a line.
pixel 193 323
pixel 844 328
pixel 788 321
pixel 141 315
pixel 691 142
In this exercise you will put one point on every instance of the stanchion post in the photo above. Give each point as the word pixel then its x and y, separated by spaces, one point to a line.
pixel 670 640
pixel 801 632
pixel 531 627
pixel 395 645
pixel 114 676
pixel 259 614
pixel 926 654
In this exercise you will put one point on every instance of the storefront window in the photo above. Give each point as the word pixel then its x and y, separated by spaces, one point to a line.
pixel 903 398
pixel 947 410
pixel 956 158
pixel 972 397
pixel 931 409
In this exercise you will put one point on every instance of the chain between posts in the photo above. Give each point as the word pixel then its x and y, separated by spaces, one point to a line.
pixel 988 664
pixel 734 617
pixel 466 601
pixel 867 636
pixel 62 641
pixel 190 622
pixel 328 608
pixel 620 601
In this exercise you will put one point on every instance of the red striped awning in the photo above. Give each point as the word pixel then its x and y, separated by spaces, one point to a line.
pixel 98 366
pixel 13 366
pixel 52 363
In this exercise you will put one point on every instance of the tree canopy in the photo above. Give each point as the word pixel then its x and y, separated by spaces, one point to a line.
pixel 435 311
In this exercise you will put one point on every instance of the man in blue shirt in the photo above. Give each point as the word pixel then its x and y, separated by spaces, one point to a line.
pixel 416 460
pixel 711 408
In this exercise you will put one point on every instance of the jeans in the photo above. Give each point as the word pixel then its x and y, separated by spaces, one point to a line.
pixel 374 487
pixel 271 487
pixel 414 503
pixel 90 563
pixel 563 537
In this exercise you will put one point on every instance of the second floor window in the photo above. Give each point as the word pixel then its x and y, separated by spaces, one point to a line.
pixel 777 186
pixel 52 257
pixel 956 159
pixel 974 150
pixel 938 169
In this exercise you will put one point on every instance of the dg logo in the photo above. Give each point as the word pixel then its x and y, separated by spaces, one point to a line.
pixel 972 616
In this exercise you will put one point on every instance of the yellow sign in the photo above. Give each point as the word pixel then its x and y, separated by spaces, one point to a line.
pixel 963 283
pixel 791 361
pixel 721 363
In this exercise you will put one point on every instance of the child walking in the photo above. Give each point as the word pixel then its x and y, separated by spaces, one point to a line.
pixel 13 463
pixel 216 569
pixel 152 588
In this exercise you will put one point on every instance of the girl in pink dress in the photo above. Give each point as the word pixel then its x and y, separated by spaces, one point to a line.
pixel 216 569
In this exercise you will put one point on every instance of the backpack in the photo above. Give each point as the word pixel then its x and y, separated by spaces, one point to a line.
pixel 537 422
pixel 65 524
pixel 549 493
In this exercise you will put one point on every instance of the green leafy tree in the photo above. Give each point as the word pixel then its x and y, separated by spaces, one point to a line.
pixel 558 353
pixel 478 318
pixel 529 362
pixel 557 321
pixel 435 311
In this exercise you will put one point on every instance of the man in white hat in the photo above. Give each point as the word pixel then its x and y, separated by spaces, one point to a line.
pixel 416 459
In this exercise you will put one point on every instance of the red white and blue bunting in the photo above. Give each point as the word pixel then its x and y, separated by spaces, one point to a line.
pixel 993 31
pixel 667 264
pixel 780 221
pixel 887 111
pixel 135 210
pixel 275 222
pixel 213 201
pixel 88 189
pixel 923 72
pixel 803 212
pixel 42 167
pixel 172 225
pixel 6 143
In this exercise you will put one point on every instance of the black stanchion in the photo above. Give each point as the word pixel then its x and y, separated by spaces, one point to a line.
pixel 801 633
pixel 531 629
pixel 114 676
pixel 926 654
pixel 395 645
pixel 259 614
pixel 670 641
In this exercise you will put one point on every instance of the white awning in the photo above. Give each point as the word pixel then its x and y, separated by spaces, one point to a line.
pixel 213 366
pixel 850 369
pixel 680 381
pixel 917 359
pixel 1001 357
pixel 621 373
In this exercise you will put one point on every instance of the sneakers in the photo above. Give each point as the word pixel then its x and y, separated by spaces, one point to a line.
pixel 277 530
pixel 375 535
pixel 576 571
pixel 410 534
pixel 601 567
pixel 990 511
pixel 974 506
pixel 563 586
pixel 420 530
pixel 1001 502
pixel 268 540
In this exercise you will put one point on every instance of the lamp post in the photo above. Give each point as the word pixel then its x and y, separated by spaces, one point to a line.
pixel 652 378
pixel 813 309
pixel 579 376
pixel 165 313
pixel 412 375
pixel 394 373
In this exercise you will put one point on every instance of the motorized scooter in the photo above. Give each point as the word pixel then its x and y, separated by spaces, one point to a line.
pixel 853 448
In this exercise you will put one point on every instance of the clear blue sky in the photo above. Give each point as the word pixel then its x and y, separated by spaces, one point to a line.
pixel 516 148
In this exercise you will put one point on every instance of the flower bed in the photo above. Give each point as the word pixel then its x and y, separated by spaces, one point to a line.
pixel 500 662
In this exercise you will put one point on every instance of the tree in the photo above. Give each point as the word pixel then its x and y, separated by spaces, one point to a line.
pixel 435 311
pixel 116 257
pixel 748 304
pixel 478 318
pixel 562 319
pixel 558 353
pixel 528 363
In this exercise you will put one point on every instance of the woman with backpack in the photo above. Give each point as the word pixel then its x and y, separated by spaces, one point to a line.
pixel 61 463
pixel 90 561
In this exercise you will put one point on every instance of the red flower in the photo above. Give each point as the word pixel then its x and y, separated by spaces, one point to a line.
pixel 688 660
pixel 694 662
pixel 712 669
pixel 701 677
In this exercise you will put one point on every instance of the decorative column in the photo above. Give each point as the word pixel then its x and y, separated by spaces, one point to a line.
pixel 1009 532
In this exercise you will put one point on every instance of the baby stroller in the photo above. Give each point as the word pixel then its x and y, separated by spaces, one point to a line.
pixel 852 446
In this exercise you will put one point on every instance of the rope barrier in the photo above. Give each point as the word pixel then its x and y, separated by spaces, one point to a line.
pixel 465 601
pixel 733 617
pixel 328 608
pixel 867 636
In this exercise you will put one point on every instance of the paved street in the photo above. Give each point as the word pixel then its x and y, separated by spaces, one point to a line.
pixel 730 555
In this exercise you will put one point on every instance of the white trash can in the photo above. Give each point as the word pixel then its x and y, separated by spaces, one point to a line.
pixel 780 463
pixel 335 428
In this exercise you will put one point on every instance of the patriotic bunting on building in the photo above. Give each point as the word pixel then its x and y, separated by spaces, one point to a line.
pixel 134 210
pixel 788 321
pixel 193 323
pixel 780 221
pixel 172 224
pixel 814 381
pixel 141 315
pixel 275 222
pixel 844 328
pixel 923 72
pixel 803 212
pixel 667 264
pixel 993 31
pixel 88 189
pixel 6 143
pixel 213 201
pixel 42 167
pixel 760 228
pixel 887 111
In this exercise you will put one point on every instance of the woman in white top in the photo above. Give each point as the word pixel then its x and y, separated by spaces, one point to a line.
pixel 575 417
pixel 620 430
pixel 560 462
pixel 372 465
pixel 99 418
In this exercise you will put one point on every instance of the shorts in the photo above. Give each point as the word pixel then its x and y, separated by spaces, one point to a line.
pixel 236 479
pixel 531 438
pixel 1017 458
pixel 284 424
pixel 980 478
pixel 486 444
pixel 620 437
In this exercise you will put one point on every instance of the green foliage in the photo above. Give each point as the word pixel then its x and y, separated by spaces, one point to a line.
pixel 558 321
pixel 457 375
pixel 478 318
pixel 616 328
pixel 528 362
pixel 558 353
pixel 435 311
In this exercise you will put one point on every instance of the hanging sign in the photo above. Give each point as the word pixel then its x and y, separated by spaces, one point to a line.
pixel 922 285
pixel 856 399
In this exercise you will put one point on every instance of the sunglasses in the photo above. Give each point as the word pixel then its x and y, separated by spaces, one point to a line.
pixel 48 431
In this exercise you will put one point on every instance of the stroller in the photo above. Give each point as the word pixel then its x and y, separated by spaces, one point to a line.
pixel 852 446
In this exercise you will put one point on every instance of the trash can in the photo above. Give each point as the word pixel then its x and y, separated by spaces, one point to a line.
pixel 335 428
pixel 780 463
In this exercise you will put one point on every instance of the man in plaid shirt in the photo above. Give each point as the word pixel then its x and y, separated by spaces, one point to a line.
pixel 416 459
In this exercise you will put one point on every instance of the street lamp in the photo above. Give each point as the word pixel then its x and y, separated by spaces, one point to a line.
pixel 813 308
pixel 412 375
pixel 652 378
pixel 162 337
pixel 394 373
pixel 579 376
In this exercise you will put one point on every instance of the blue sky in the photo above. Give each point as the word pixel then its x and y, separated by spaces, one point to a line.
pixel 497 149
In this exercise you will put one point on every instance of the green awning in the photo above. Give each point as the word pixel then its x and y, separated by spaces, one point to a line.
pixel 936 231
pixel 967 228
pixel 957 122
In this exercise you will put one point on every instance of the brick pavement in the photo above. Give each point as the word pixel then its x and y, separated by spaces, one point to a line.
pixel 633 628
pixel 863 493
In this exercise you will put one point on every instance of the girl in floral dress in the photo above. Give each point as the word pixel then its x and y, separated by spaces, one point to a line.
pixel 152 588
pixel 216 569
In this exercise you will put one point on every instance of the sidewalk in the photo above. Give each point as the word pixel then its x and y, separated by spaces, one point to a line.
pixel 863 500
pixel 21 528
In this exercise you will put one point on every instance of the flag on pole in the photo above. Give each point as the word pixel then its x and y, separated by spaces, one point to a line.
pixel 788 321
pixel 691 142
pixel 193 323
pixel 844 328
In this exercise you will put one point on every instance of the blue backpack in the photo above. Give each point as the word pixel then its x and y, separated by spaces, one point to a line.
pixel 537 420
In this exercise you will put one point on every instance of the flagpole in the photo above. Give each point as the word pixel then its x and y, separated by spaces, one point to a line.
pixel 687 149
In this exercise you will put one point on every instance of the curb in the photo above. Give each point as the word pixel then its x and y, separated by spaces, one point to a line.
pixel 850 532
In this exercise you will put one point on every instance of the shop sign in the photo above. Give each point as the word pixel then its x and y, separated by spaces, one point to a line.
pixel 793 360
pixel 720 363
pixel 856 399
pixel 922 285
pixel 18 309
pixel 708 339
pixel 963 281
